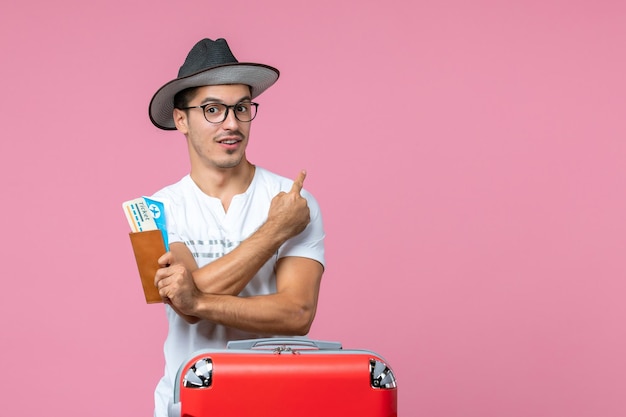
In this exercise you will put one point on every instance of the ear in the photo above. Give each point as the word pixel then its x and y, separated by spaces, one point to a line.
pixel 180 120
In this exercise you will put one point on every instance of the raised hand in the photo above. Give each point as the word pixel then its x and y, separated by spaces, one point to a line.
pixel 289 211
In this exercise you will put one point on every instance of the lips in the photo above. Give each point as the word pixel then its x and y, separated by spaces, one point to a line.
pixel 230 139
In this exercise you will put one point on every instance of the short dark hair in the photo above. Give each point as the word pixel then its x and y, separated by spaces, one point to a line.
pixel 183 97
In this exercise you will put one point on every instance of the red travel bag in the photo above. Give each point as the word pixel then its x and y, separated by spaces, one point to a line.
pixel 292 377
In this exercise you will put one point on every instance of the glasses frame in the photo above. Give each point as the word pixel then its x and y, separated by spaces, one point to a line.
pixel 204 106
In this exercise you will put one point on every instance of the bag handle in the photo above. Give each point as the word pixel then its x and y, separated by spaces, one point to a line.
pixel 270 342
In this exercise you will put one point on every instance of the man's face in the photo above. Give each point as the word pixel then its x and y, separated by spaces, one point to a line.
pixel 219 145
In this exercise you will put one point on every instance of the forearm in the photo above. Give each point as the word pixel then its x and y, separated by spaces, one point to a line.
pixel 230 273
pixel 288 311
pixel 273 314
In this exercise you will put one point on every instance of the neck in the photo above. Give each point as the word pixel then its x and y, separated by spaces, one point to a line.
pixel 224 183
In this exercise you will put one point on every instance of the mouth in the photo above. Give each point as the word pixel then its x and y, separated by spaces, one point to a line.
pixel 230 140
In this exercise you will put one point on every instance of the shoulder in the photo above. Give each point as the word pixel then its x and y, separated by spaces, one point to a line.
pixel 277 182
pixel 268 178
pixel 177 196
pixel 177 189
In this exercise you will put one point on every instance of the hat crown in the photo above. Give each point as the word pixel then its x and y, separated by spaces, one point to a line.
pixel 207 54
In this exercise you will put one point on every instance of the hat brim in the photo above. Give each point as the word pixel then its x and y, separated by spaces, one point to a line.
pixel 258 76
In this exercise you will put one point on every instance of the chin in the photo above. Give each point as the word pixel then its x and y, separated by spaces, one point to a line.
pixel 233 163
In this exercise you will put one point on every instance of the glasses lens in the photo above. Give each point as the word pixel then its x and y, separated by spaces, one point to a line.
pixel 215 112
pixel 245 111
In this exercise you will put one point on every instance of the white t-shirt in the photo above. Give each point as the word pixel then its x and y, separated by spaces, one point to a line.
pixel 209 232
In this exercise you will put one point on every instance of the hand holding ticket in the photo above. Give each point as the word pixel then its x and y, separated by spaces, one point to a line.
pixel 148 238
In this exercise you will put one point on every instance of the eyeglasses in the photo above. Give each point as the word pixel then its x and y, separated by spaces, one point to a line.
pixel 245 111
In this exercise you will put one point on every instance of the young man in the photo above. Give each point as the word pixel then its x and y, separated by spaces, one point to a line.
pixel 246 245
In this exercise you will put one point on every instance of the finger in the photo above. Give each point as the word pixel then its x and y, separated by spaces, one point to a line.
pixel 160 275
pixel 166 259
pixel 163 292
pixel 298 182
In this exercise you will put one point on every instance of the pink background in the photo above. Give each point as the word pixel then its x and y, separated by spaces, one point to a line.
pixel 468 156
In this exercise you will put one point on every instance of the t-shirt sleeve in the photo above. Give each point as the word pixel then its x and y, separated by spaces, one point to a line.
pixel 309 243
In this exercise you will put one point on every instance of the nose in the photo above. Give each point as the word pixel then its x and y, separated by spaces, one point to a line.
pixel 231 122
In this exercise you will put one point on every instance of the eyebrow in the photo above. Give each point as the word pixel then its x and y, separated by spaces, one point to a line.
pixel 218 100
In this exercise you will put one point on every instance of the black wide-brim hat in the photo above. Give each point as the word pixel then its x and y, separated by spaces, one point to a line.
pixel 210 62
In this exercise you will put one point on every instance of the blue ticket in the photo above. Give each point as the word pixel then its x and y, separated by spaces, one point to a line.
pixel 158 214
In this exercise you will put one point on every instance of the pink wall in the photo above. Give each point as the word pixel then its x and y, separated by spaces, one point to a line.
pixel 468 156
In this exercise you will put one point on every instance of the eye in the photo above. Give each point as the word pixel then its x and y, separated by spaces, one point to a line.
pixel 242 108
pixel 214 109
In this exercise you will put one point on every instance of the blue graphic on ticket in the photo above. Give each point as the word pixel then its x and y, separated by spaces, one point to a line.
pixel 157 210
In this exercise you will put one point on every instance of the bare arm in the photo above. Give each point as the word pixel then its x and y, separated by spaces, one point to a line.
pixel 289 311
